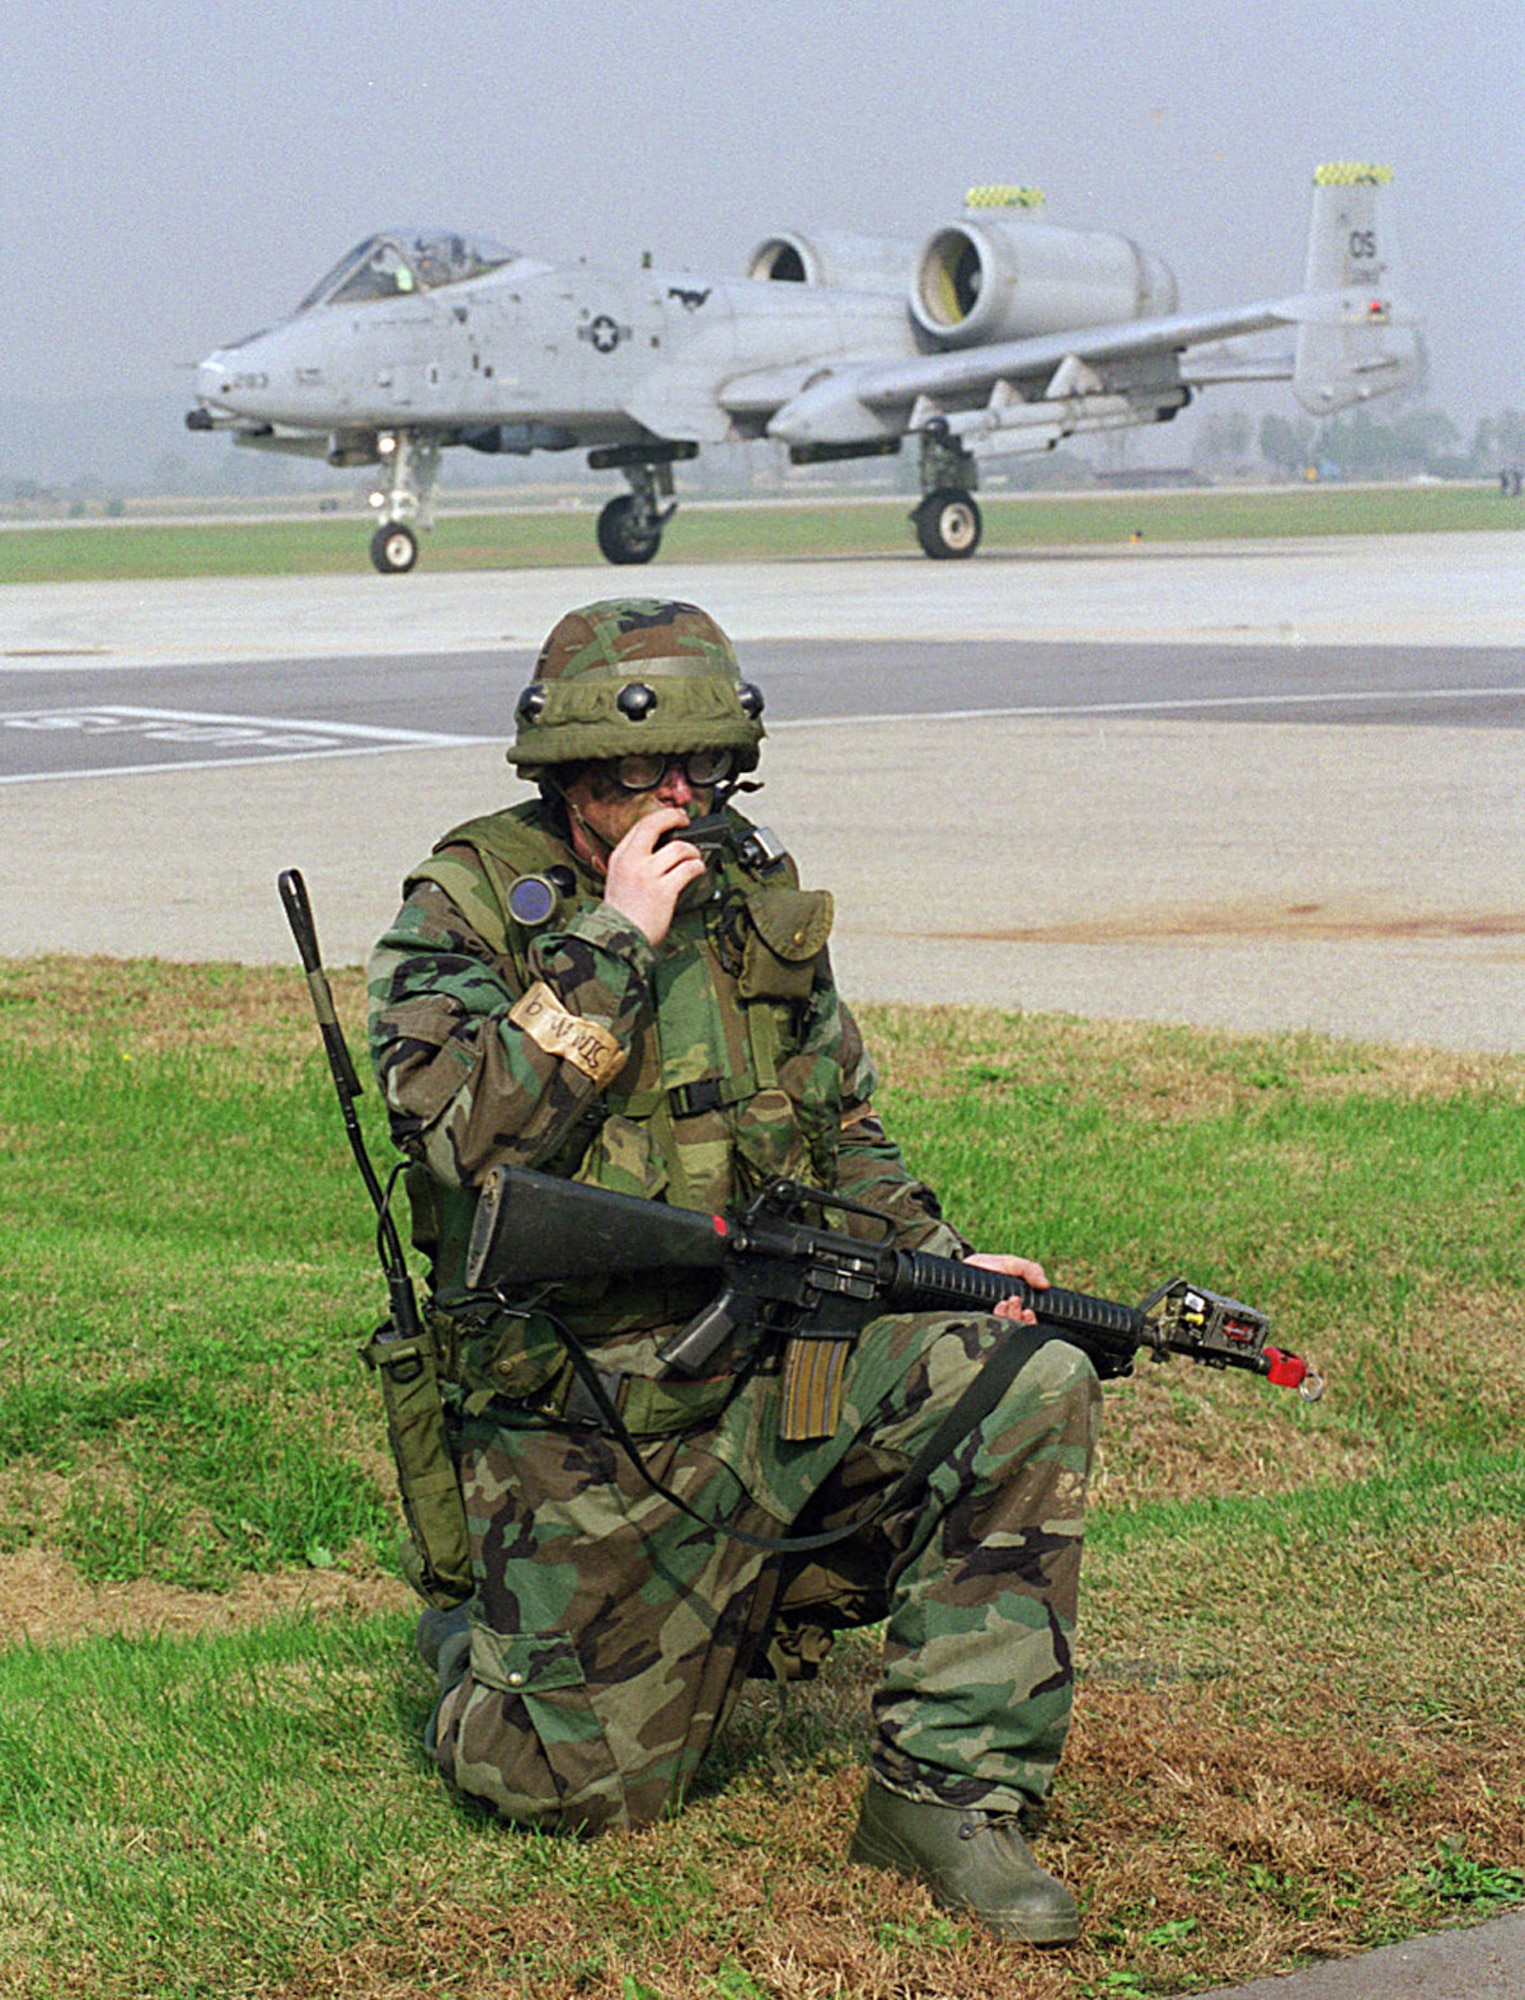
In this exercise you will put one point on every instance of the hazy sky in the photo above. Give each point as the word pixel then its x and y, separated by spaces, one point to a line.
pixel 175 174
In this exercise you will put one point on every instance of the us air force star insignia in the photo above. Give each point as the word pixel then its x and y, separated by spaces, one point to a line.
pixel 604 334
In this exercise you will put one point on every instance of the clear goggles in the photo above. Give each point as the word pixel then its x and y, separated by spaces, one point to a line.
pixel 644 770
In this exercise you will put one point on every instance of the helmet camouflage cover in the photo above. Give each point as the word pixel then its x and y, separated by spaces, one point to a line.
pixel 630 674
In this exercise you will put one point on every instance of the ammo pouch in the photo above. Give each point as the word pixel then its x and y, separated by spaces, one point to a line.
pixel 436 1558
pixel 788 933
pixel 647 1408
pixel 519 1370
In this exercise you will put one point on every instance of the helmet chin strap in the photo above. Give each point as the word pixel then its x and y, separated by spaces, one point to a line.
pixel 599 849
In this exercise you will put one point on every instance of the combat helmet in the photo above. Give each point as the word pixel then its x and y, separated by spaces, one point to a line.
pixel 630 674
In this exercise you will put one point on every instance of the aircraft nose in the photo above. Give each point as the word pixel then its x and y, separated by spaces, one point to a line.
pixel 212 379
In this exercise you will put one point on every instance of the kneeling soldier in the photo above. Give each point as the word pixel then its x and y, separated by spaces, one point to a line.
pixel 573 986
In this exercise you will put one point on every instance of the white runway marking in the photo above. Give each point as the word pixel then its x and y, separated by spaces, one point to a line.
pixel 1268 698
pixel 230 739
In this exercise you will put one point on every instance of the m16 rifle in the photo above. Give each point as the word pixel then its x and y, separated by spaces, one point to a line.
pixel 782 1277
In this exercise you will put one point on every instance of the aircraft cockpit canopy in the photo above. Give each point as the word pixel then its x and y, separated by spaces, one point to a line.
pixel 405 261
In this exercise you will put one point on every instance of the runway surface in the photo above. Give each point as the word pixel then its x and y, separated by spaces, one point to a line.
pixel 113 720
pixel 1268 786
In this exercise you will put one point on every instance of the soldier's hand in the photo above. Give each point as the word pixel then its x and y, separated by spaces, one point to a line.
pixel 1014 1267
pixel 644 881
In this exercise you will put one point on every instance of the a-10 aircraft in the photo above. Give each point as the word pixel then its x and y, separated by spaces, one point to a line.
pixel 1001 333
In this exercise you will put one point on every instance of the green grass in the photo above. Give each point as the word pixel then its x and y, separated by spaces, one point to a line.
pixel 562 536
pixel 1301 1727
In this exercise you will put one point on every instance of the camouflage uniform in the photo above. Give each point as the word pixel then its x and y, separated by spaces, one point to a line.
pixel 609 1633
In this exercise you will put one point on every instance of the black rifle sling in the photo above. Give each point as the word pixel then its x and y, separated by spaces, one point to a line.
pixel 971 1410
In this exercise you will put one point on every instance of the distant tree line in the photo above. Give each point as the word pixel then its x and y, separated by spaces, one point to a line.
pixel 1364 444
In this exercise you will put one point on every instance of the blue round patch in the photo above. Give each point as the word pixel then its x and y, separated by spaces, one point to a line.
pixel 533 900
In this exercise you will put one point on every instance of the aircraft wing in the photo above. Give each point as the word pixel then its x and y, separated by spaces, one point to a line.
pixel 1125 372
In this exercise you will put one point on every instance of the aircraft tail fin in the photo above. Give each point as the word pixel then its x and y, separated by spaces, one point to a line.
pixel 1345 352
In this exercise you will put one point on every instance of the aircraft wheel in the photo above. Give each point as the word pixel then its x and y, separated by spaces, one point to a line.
pixel 622 537
pixel 948 523
pixel 394 549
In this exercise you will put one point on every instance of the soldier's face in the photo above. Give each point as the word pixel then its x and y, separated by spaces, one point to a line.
pixel 611 811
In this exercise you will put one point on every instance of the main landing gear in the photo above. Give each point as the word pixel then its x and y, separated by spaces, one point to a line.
pixel 948 523
pixel 630 527
pixel 947 519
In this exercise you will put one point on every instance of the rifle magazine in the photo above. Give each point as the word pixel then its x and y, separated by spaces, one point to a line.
pixel 815 1373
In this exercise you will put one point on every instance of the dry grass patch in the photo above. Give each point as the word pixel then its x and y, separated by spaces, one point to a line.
pixel 165 1008
pixel 1161 1072
pixel 44 1601
pixel 1452 1354
pixel 1185 925
pixel 1179 1433
pixel 1272 1841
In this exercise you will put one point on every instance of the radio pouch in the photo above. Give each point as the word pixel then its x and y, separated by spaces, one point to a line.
pixel 436 1558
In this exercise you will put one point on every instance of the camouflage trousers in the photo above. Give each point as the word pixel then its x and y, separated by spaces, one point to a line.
pixel 611 1632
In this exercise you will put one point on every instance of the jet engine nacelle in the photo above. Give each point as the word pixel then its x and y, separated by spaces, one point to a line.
pixel 842 257
pixel 1013 278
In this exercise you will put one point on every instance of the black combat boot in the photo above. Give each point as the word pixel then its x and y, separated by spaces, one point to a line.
pixel 439 1634
pixel 971 1860
pixel 443 1642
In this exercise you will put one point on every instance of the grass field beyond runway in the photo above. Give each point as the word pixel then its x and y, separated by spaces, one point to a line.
pixel 564 536
pixel 1301 1722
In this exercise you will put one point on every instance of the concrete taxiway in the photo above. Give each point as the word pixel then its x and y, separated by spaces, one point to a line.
pixel 1432 590
pixel 1361 879
pixel 1483 1962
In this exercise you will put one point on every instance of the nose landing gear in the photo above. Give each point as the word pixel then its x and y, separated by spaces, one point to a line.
pixel 630 529
pixel 410 467
pixel 394 549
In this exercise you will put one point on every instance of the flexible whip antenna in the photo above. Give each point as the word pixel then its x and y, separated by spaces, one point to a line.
pixel 347 1084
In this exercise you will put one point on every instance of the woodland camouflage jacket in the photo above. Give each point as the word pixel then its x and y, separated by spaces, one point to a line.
pixel 688 1072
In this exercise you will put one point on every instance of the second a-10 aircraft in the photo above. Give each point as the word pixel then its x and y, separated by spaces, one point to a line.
pixel 1001 333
